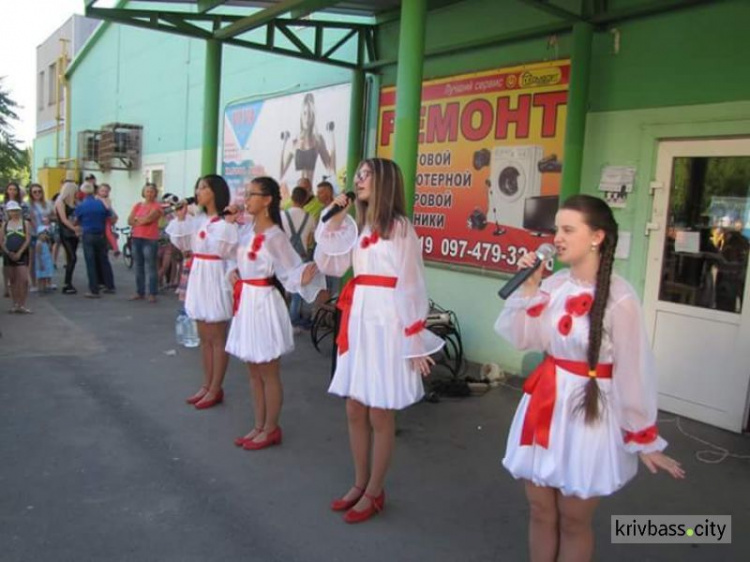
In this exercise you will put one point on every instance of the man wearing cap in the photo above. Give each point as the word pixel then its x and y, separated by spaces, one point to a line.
pixel 92 216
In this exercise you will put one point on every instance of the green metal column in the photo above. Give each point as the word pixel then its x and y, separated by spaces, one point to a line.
pixel 578 97
pixel 212 87
pixel 356 125
pixel 409 93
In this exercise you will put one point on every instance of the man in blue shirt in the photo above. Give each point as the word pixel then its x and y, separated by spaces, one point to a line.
pixel 92 216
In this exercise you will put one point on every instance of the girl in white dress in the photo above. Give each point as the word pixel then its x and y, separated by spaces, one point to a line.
pixel 208 298
pixel 589 410
pixel 261 330
pixel 382 343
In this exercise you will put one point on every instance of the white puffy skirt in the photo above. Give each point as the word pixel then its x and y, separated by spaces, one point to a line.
pixel 582 460
pixel 261 330
pixel 208 296
pixel 374 371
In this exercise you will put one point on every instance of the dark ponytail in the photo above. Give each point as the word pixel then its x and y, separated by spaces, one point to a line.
pixel 269 186
pixel 598 216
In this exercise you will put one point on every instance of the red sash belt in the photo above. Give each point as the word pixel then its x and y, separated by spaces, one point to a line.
pixel 212 257
pixel 346 298
pixel 237 292
pixel 542 388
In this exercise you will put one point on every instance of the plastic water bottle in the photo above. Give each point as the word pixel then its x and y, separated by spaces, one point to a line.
pixel 190 333
pixel 179 326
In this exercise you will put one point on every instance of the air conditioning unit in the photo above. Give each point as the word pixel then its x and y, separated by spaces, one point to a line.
pixel 88 148
pixel 120 147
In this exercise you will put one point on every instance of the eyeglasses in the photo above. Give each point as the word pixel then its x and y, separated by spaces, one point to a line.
pixel 362 175
pixel 254 193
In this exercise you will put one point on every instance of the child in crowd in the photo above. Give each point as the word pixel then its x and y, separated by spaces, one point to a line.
pixel 43 262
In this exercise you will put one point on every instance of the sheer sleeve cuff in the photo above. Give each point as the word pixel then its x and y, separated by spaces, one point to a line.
pixel 533 305
pixel 335 242
pixel 310 291
pixel 181 232
pixel 420 342
pixel 180 228
pixel 647 440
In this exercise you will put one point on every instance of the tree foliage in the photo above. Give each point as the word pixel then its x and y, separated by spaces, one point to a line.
pixel 14 160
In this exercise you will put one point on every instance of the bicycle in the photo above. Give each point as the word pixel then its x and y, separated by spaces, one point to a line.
pixel 127 246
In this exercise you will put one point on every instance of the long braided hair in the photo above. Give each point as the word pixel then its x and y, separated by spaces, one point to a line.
pixel 598 216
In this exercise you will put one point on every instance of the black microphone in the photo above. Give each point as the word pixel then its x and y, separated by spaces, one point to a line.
pixel 336 209
pixel 543 253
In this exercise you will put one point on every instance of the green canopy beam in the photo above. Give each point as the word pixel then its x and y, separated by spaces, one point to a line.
pixel 268 15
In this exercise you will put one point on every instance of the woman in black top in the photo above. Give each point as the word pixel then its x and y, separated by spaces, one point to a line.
pixel 64 207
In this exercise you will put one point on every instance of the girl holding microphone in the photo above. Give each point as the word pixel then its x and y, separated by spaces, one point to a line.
pixel 261 330
pixel 208 298
pixel 588 413
pixel 384 348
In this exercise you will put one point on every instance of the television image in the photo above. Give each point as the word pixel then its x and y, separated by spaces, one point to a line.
pixel 539 214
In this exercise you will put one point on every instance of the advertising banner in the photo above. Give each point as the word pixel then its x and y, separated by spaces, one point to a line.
pixel 287 138
pixel 490 162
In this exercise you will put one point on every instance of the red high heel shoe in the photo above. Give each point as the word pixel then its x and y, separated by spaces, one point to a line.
pixel 377 504
pixel 240 441
pixel 344 505
pixel 273 438
pixel 198 396
pixel 210 402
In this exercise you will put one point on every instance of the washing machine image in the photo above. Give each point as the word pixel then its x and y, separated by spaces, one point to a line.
pixel 514 176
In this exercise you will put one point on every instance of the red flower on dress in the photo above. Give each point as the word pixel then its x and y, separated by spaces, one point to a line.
pixel 367 241
pixel 579 305
pixel 202 234
pixel 536 310
pixel 255 247
pixel 565 324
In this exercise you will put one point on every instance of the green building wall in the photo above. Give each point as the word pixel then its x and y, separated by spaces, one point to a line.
pixel 680 74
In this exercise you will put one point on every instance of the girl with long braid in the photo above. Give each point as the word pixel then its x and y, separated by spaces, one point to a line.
pixel 589 410
pixel 208 298
pixel 261 331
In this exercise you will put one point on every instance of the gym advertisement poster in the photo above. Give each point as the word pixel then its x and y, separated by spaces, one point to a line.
pixel 287 137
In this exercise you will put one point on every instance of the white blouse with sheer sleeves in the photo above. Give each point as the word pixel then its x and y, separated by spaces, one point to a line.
pixel 261 330
pixel 386 325
pixel 208 296
pixel 629 405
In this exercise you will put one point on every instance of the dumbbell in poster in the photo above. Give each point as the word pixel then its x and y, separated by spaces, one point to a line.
pixel 490 162
pixel 302 135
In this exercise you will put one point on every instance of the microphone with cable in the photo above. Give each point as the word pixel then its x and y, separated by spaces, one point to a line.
pixel 336 209
pixel 543 253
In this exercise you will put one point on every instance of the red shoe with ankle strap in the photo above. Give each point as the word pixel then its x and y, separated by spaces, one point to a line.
pixel 343 505
pixel 240 441
pixel 198 396
pixel 377 504
pixel 273 438
pixel 210 402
